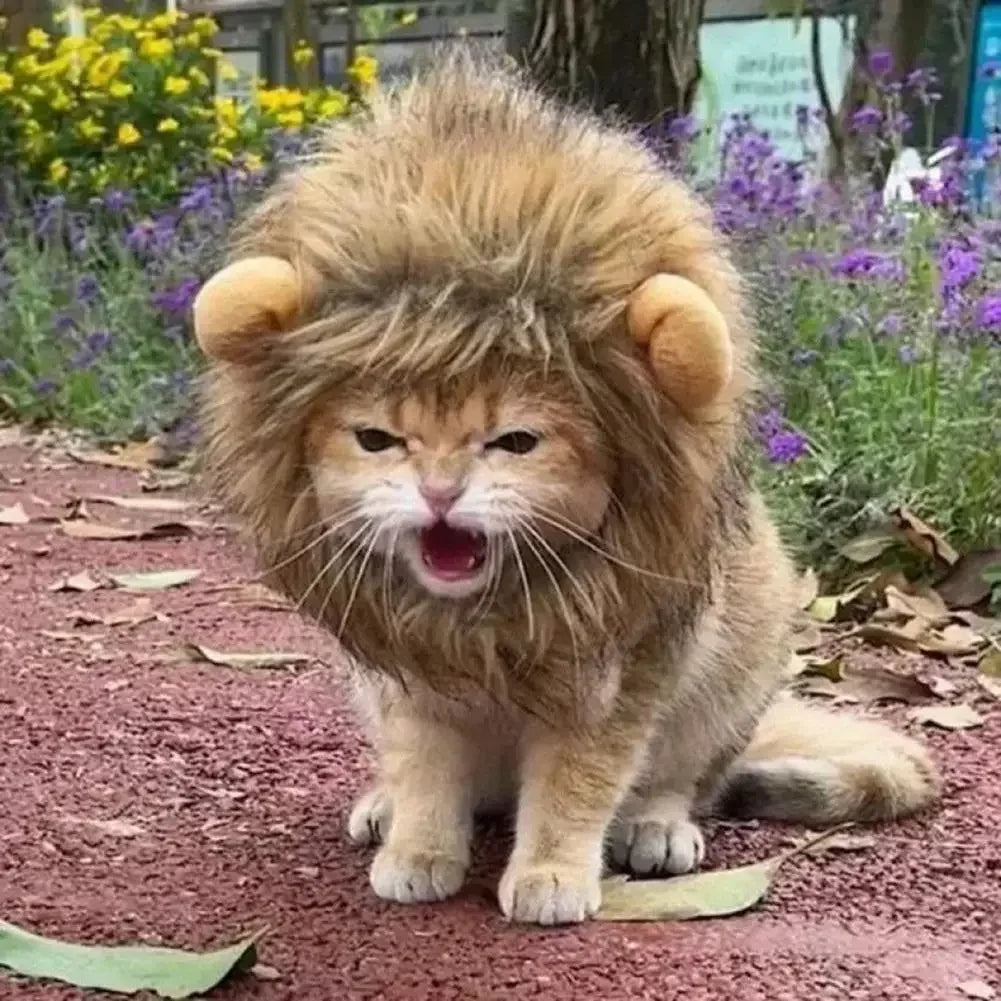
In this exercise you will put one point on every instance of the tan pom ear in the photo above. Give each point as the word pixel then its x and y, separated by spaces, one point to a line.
pixel 239 306
pixel 687 337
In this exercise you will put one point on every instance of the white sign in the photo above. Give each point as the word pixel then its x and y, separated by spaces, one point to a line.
pixel 764 68
pixel 247 63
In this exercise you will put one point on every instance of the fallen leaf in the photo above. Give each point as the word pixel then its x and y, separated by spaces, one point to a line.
pixel 924 604
pixel 117 684
pixel 116 828
pixel 831 668
pixel 151 480
pixel 954 641
pixel 154 580
pixel 174 504
pixel 900 638
pixel 990 663
pixel 871 685
pixel 977 989
pixel 958 717
pixel 263 972
pixel 15 515
pixel 111 533
pixel 992 686
pixel 77 582
pixel 136 455
pixel 223 659
pixel 922 537
pixel 127 969
pixel 699 895
pixel 963 586
pixel 869 545
pixel 827 607
pixel 836 843
pixel 942 687
pixel 77 509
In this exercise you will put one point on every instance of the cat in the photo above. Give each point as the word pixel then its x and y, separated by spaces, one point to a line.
pixel 436 402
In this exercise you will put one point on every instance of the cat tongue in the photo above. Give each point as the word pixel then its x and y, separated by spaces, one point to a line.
pixel 452 552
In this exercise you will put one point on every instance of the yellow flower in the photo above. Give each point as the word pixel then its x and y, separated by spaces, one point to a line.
pixel 37 39
pixel 252 161
pixel 303 54
pixel 220 153
pixel 60 101
pixel 176 85
pixel 6 82
pixel 156 48
pixel 291 119
pixel 197 77
pixel 33 90
pixel 72 43
pixel 363 71
pixel 55 67
pixel 408 17
pixel 128 135
pixel 335 104
pixel 168 125
pixel 28 64
pixel 205 26
pixel 91 13
pixel 225 108
pixel 58 170
pixel 89 129
pixel 163 22
pixel 119 89
pixel 225 134
pixel 123 22
pixel 227 71
pixel 102 70
pixel 211 53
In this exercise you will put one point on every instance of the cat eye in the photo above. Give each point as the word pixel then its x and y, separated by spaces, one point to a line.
pixel 376 440
pixel 517 442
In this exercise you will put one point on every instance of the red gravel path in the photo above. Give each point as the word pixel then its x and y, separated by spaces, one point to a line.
pixel 240 782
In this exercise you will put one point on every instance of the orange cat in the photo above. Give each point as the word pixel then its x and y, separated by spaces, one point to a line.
pixel 479 386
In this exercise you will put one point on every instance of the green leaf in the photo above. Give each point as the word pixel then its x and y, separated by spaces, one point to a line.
pixel 126 969
pixel 868 546
pixel 156 580
pixel 700 895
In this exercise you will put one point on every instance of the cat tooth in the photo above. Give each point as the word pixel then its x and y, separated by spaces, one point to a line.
pixel 470 562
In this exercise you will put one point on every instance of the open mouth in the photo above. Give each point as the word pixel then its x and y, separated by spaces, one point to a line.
pixel 452 553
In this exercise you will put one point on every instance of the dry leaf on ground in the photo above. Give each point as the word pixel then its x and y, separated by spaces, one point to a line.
pixel 964 586
pixel 836 843
pixel 239 659
pixel 135 455
pixel 958 717
pixel 116 828
pixel 151 480
pixel 174 504
pixel 838 681
pixel 869 545
pixel 977 989
pixel 923 603
pixel 923 537
pixel 134 615
pixel 154 580
pixel 79 529
pixel 76 582
pixel 14 515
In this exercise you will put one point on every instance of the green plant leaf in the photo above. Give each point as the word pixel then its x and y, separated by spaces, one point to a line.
pixel 126 969
pixel 700 895
pixel 155 580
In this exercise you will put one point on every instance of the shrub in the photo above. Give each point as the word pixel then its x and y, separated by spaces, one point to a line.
pixel 131 107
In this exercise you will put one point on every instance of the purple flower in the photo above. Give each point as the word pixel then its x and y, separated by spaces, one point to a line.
pixel 880 63
pixel 867 120
pixel 683 128
pixel 891 324
pixel 786 447
pixel 198 198
pixel 98 341
pixel 117 201
pixel 989 313
pixel 87 289
pixel 802 357
pixel 907 354
pixel 7 366
pixel 177 301
pixel 958 266
pixel 770 423
pixel 63 323
pixel 45 387
pixel 863 263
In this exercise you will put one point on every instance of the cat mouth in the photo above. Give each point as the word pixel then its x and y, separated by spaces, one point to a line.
pixel 450 553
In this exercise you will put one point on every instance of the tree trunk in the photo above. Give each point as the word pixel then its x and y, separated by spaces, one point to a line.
pixel 640 57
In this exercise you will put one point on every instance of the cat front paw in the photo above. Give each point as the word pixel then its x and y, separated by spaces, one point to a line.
pixel 657 848
pixel 370 819
pixel 549 895
pixel 413 877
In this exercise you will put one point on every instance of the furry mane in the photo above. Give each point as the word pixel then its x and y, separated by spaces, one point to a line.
pixel 465 219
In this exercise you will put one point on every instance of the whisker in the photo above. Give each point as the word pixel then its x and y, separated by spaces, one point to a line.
pixel 327 566
pixel 344 569
pixel 560 562
pixel 524 581
pixel 387 571
pixel 325 534
pixel 557 523
pixel 357 583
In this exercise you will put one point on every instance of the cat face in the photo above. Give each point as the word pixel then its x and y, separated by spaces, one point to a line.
pixel 460 483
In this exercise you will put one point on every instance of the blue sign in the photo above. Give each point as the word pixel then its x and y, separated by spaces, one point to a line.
pixel 983 103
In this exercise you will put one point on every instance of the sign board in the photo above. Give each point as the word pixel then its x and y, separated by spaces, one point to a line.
pixel 247 63
pixel 983 102
pixel 764 67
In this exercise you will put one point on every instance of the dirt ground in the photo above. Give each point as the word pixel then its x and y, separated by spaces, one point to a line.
pixel 151 797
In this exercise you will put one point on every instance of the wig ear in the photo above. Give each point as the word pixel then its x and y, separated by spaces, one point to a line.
pixel 687 338
pixel 240 307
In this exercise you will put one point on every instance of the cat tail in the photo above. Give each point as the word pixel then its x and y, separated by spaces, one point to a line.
pixel 805 765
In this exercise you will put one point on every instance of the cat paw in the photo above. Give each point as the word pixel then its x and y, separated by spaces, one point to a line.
pixel 415 877
pixel 370 818
pixel 548 895
pixel 655 848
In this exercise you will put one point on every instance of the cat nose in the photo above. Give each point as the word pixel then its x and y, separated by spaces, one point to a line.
pixel 440 498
